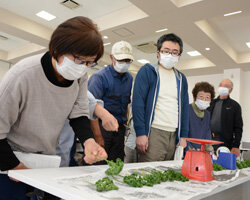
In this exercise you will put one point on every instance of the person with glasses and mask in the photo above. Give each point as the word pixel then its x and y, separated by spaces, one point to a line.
pixel 113 84
pixel 39 93
pixel 160 103
pixel 199 117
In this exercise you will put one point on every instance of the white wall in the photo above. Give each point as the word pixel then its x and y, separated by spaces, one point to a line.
pixel 212 79
pixel 243 95
pixel 235 75
pixel 245 91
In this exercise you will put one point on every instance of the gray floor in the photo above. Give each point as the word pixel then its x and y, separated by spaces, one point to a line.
pixel 239 192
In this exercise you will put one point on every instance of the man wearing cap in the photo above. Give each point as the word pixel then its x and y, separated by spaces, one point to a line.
pixel 113 84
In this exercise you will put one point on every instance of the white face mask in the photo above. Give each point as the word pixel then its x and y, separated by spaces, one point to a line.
pixel 168 61
pixel 223 91
pixel 70 70
pixel 121 67
pixel 202 105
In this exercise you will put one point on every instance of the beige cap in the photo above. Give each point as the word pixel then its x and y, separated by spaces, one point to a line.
pixel 122 50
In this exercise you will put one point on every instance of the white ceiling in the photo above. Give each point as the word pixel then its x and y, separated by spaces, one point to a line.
pixel 200 23
pixel 235 28
pixel 11 43
pixel 88 8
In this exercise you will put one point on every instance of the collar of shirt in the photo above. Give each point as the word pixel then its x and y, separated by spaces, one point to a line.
pixel 218 98
pixel 198 112
pixel 50 73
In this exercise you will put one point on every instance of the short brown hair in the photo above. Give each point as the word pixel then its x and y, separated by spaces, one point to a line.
pixel 78 36
pixel 205 87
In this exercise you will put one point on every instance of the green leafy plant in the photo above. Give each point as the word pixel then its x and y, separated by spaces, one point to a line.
pixel 114 167
pixel 134 180
pixel 153 177
pixel 243 164
pixel 218 167
pixel 149 178
pixel 171 175
pixel 105 184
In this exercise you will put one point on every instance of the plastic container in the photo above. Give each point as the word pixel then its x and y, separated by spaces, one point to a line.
pixel 226 160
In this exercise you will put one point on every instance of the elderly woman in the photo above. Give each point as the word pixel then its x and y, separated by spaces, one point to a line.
pixel 39 93
pixel 199 117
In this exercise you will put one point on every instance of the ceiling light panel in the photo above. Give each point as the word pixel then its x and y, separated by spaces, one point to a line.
pixel 248 44
pixel 233 13
pixel 105 44
pixel 45 15
pixel 194 53
pixel 161 30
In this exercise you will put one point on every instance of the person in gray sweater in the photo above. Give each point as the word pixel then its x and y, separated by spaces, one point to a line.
pixel 39 93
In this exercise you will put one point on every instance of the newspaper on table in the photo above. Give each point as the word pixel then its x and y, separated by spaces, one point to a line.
pixel 172 190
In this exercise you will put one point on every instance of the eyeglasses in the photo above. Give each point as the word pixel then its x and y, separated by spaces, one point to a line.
pixel 81 61
pixel 204 98
pixel 174 53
